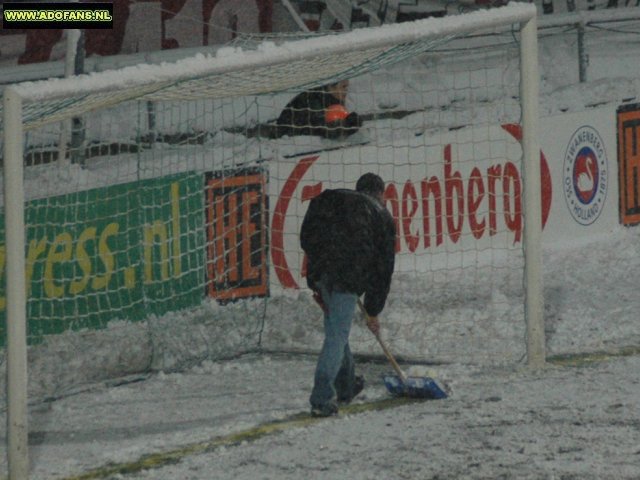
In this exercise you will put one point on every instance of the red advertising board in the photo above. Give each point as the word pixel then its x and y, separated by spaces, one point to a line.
pixel 629 163
pixel 236 209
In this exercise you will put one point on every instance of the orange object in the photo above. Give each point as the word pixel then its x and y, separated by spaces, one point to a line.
pixel 335 113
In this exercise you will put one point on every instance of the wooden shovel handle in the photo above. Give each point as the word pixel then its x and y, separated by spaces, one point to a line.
pixel 387 352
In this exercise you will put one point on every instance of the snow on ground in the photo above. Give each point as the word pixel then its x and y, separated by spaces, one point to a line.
pixel 566 421
pixel 562 422
pixel 570 422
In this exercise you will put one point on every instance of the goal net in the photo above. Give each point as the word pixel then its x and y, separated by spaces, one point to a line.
pixel 158 212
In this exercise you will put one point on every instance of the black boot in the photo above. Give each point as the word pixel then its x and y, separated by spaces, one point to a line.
pixel 358 386
pixel 326 410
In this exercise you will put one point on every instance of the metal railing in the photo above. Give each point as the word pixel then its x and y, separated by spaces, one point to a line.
pixel 581 21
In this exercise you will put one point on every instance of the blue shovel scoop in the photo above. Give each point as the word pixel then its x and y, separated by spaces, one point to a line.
pixel 401 384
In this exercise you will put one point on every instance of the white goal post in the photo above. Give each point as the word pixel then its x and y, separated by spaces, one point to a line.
pixel 230 73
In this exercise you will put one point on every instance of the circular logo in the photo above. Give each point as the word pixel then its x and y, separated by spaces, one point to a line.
pixel 585 175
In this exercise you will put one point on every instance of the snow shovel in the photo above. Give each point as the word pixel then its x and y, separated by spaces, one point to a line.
pixel 401 384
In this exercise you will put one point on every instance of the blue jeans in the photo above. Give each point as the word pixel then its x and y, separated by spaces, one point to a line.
pixel 334 374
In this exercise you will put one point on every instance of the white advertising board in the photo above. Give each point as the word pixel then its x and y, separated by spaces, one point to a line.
pixel 581 152
pixel 457 198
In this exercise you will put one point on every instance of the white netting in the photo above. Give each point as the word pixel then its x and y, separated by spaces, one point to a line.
pixel 165 229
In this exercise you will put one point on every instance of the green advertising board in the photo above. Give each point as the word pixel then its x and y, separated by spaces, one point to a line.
pixel 120 252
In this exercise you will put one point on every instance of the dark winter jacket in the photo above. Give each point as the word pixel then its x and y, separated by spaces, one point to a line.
pixel 305 115
pixel 349 239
